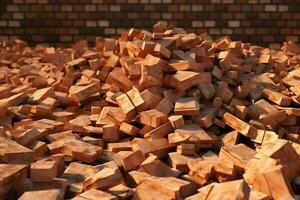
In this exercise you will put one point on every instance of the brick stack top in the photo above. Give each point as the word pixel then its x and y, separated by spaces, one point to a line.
pixel 162 115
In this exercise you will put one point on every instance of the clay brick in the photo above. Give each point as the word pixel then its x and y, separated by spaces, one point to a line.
pixel 277 97
pixel 172 187
pixel 12 152
pixel 239 154
pixel 230 190
pixel 206 117
pixel 137 100
pixel 121 191
pixel 81 93
pixel 110 132
pixel 94 194
pixel 118 77
pixel 156 146
pixel 46 194
pixel 159 131
pixel 177 121
pixel 65 135
pixel 224 92
pixel 200 170
pixel 131 160
pixel 186 149
pixel 165 106
pixel 191 133
pixel 28 136
pixel 152 68
pixel 12 179
pixel 14 100
pixel 162 51
pixel 224 170
pixel 129 129
pixel 43 171
pixel 187 106
pixel 81 150
pixel 239 125
pixel 108 176
pixel 155 167
pixel 39 148
pixel 180 162
pixel 271 178
pixel 182 80
pixel 182 65
pixel 119 146
pixel 126 106
pixel 77 169
pixel 153 118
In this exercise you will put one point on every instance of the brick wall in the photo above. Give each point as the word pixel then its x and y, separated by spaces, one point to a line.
pixel 60 22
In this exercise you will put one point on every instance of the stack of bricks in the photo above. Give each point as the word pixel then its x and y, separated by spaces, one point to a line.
pixel 151 115
pixel 58 22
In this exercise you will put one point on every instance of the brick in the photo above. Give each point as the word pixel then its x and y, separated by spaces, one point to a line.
pixel 90 8
pixel 91 23
pixel 182 80
pixel 110 132
pixel 40 95
pixel 81 150
pixel 18 15
pixel 137 100
pixel 277 97
pixel 12 152
pixel 43 171
pixel 270 8
pixel 115 8
pixel 200 170
pixel 103 23
pixel 94 194
pixel 131 160
pixel 155 167
pixel 238 189
pixel 121 191
pixel 177 121
pixel 152 71
pixel 129 129
pixel 13 23
pixel 187 106
pixel 267 180
pixel 186 149
pixel 81 93
pixel 45 194
pixel 12 8
pixel 108 175
pixel 153 118
pixel 3 23
pixel 126 106
pixel 12 179
pixel 179 161
pixel 209 23
pixel 234 24
pixel 27 136
pixel 39 148
pixel 239 125
pixel 283 8
pixel 239 154
pixel 197 7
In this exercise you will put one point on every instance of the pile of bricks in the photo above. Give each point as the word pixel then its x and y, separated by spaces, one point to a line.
pixel 162 115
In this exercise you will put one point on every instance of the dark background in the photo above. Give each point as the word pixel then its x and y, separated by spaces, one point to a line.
pixel 62 22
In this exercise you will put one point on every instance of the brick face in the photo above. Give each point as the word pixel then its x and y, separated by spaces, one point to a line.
pixel 62 22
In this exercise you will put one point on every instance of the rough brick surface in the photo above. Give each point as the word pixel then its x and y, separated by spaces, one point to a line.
pixel 64 22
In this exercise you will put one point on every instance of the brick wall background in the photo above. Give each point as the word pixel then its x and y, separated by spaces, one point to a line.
pixel 62 22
